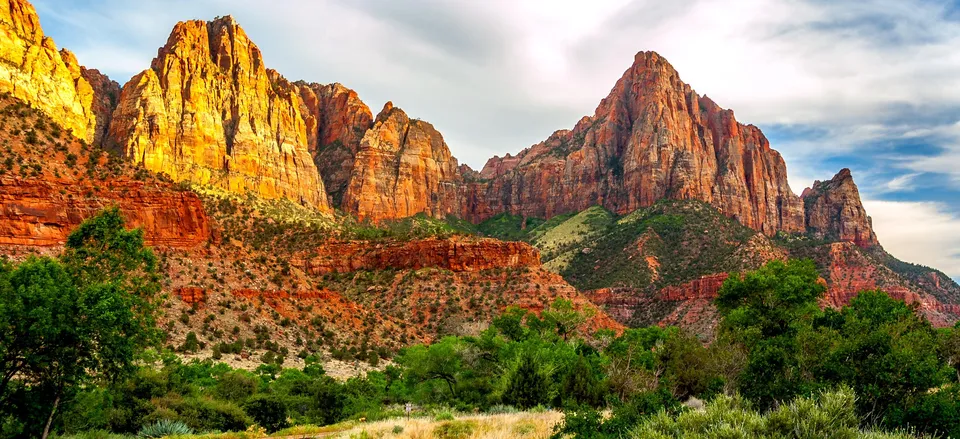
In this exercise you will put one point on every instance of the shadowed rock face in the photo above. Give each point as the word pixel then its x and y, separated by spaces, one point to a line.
pixel 653 137
pixel 834 211
pixel 208 111
pixel 34 71
pixel 403 168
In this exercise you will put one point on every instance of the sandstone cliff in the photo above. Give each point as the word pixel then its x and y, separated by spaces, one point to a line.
pixel 42 212
pixel 403 168
pixel 106 93
pixel 653 137
pixel 336 121
pixel 208 111
pixel 34 71
pixel 834 211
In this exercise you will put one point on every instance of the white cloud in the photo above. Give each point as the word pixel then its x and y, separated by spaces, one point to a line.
pixel 920 232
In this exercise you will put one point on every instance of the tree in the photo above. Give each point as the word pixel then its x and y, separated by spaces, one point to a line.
pixel 268 411
pixel 528 386
pixel 84 319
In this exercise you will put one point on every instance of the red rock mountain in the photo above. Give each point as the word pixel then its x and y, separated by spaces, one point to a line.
pixel 403 168
pixel 209 111
pixel 653 137
pixel 834 211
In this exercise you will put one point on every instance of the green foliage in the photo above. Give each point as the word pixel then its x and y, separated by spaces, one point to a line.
pixel 528 386
pixel 832 415
pixel 455 430
pixel 507 227
pixel 268 412
pixel 164 428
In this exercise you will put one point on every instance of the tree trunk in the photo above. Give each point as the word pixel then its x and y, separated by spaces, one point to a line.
pixel 46 430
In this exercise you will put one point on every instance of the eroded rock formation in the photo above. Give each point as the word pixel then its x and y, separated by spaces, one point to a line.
pixel 42 212
pixel 834 211
pixel 455 254
pixel 653 137
pixel 403 168
pixel 208 111
pixel 34 71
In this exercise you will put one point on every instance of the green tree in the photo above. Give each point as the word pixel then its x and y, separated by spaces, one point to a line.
pixel 63 324
pixel 528 385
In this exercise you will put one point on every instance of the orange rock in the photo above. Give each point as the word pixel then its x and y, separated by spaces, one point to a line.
pixel 834 211
pixel 35 212
pixel 403 168
pixel 455 254
pixel 653 137
pixel 208 111
pixel 34 71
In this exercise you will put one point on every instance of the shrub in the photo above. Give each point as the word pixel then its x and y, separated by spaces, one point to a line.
pixel 165 427
pixel 445 415
pixel 268 411
pixel 454 430
pixel 206 414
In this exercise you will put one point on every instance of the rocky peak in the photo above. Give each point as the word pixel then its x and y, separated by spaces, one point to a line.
pixel 403 168
pixel 208 111
pixel 34 71
pixel 651 138
pixel 834 211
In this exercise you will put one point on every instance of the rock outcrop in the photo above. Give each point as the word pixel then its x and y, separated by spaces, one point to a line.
pixel 42 212
pixel 106 93
pixel 208 111
pixel 403 168
pixel 34 71
pixel 336 121
pixel 834 211
pixel 455 254
pixel 653 137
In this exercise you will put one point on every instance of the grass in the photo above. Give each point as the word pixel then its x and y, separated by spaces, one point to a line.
pixel 512 425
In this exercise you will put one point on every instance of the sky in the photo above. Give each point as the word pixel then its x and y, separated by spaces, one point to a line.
pixel 870 85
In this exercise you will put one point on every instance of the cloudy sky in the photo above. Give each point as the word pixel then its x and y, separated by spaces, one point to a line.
pixel 873 85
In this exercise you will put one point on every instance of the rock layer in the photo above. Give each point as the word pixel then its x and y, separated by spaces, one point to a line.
pixel 458 255
pixel 41 213
pixel 208 111
pixel 834 211
pixel 653 137
pixel 403 168
pixel 34 71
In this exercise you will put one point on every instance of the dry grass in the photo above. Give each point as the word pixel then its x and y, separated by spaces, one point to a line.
pixel 515 425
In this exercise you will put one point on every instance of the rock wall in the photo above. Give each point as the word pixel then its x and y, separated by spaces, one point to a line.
pixel 653 137
pixel 403 168
pixel 208 111
pixel 34 71
pixel 834 211
pixel 43 212
pixel 455 254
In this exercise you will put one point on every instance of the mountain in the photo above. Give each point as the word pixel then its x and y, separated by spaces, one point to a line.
pixel 288 217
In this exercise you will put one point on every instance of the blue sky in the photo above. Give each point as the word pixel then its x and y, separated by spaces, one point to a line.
pixel 873 85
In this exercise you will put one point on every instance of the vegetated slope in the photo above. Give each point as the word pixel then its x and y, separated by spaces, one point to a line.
pixel 664 264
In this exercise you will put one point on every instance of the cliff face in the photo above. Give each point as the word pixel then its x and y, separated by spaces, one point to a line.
pixel 458 255
pixel 42 212
pixel 834 211
pixel 106 93
pixel 208 111
pixel 34 71
pixel 403 168
pixel 336 121
pixel 653 137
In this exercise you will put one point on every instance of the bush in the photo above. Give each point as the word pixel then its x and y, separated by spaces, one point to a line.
pixel 268 411
pixel 165 427
pixel 204 414
pixel 454 430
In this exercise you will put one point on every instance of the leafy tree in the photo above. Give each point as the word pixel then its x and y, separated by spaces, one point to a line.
pixel 528 386
pixel 269 412
pixel 83 320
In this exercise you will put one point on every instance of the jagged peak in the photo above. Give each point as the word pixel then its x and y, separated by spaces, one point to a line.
pixel 23 18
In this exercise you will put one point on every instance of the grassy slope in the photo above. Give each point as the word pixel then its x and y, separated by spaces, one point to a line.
pixel 665 244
